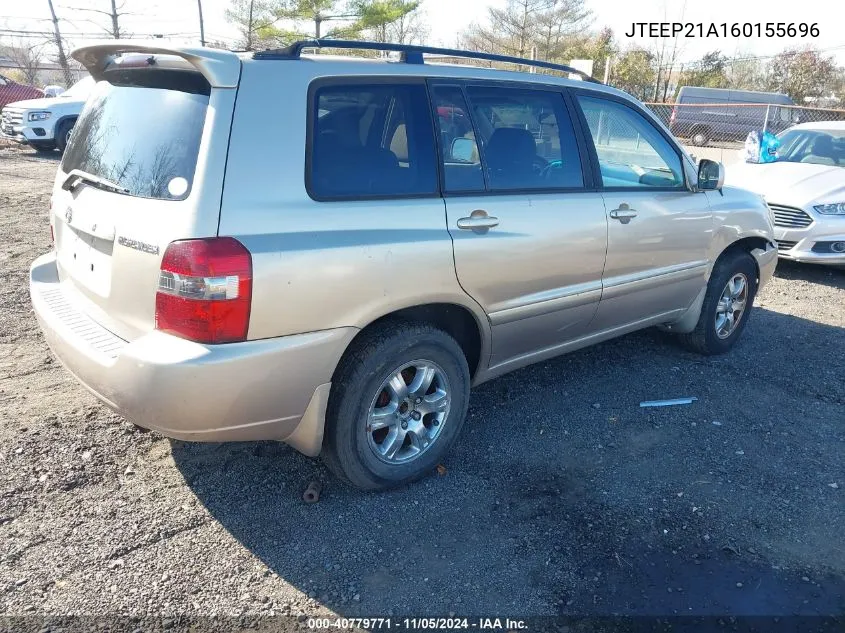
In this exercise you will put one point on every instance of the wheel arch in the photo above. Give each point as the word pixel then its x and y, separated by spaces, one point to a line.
pixel 761 250
pixel 459 321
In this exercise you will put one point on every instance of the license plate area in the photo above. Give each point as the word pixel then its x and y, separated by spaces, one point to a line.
pixel 86 259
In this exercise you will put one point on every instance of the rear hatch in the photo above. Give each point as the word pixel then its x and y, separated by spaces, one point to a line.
pixel 144 167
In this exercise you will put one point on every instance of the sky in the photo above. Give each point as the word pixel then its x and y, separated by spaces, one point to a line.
pixel 446 18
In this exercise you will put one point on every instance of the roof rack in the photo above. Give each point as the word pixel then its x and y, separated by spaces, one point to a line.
pixel 412 54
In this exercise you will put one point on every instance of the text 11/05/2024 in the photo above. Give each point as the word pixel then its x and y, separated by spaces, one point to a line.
pixel 724 29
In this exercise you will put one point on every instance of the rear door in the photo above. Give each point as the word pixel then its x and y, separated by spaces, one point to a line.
pixel 529 237
pixel 658 231
pixel 158 135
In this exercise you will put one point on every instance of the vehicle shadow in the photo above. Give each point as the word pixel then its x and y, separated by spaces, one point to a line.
pixel 813 273
pixel 563 496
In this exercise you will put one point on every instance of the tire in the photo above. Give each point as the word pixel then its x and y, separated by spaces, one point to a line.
pixel 700 137
pixel 359 388
pixel 706 338
pixel 63 135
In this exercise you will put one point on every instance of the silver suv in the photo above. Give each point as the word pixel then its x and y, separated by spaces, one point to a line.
pixel 331 251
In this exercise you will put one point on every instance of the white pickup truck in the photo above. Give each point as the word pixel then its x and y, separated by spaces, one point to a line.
pixel 46 123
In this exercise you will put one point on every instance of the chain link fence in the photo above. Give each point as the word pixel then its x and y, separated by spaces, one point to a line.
pixel 716 130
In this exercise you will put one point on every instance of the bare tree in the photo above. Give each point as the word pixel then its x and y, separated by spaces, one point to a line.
pixel 254 20
pixel 561 25
pixel 410 28
pixel 550 27
pixel 60 46
pixel 114 14
pixel 27 56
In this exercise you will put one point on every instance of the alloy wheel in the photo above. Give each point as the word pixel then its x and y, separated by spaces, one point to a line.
pixel 408 412
pixel 731 306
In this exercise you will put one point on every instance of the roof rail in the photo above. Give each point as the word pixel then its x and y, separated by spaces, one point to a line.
pixel 411 54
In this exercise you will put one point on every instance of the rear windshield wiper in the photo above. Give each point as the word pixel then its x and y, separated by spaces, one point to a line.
pixel 77 176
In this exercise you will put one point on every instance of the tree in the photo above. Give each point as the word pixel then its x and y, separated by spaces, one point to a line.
pixel 599 47
pixel 409 29
pixel 634 72
pixel 710 71
pixel 316 11
pixel 558 27
pixel 254 21
pixel 114 14
pixel 746 72
pixel 548 27
pixel 57 38
pixel 802 73
pixel 377 16
pixel 27 57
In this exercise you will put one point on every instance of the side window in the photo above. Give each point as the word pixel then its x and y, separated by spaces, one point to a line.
pixel 371 141
pixel 458 149
pixel 631 152
pixel 527 140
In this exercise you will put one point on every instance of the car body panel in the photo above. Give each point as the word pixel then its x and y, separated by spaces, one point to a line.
pixel 538 273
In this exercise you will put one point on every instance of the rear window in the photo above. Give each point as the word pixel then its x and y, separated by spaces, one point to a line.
pixel 141 137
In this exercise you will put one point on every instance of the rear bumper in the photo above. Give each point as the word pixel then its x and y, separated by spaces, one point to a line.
pixel 272 389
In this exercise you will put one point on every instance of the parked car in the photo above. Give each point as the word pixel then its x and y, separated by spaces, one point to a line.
pixel 11 90
pixel 45 123
pixel 53 90
pixel 805 188
pixel 339 277
pixel 705 114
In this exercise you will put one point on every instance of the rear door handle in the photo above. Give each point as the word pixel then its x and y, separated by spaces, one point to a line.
pixel 624 213
pixel 478 221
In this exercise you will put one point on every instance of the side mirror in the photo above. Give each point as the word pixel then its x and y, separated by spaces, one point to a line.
pixel 711 175
pixel 462 149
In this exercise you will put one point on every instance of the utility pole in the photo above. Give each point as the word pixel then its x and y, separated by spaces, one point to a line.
pixel 607 70
pixel 202 27
pixel 115 27
pixel 58 38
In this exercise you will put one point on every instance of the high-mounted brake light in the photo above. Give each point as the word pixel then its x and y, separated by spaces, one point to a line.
pixel 205 290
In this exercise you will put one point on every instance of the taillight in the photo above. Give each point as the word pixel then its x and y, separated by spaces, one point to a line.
pixel 205 290
pixel 672 116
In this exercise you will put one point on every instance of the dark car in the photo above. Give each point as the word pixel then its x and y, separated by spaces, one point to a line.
pixel 705 114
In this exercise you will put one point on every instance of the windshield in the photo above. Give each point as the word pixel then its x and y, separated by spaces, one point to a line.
pixel 819 147
pixel 80 89
pixel 143 139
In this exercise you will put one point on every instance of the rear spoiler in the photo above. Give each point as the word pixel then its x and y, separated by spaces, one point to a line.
pixel 221 69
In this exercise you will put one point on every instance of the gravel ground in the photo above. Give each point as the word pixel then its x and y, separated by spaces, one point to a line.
pixel 561 497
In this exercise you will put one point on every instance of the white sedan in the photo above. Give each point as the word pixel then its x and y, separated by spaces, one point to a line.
pixel 805 189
